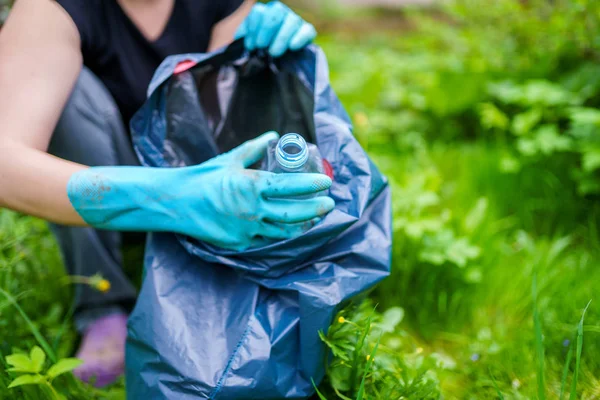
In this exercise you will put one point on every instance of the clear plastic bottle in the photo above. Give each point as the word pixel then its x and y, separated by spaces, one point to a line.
pixel 291 154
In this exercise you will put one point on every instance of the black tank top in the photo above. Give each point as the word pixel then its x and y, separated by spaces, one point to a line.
pixel 117 52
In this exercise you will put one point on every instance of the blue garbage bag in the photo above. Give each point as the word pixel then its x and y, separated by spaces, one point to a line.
pixel 216 324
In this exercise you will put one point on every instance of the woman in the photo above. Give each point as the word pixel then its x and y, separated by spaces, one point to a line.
pixel 72 73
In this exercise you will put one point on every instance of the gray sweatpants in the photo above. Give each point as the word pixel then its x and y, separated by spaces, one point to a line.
pixel 91 132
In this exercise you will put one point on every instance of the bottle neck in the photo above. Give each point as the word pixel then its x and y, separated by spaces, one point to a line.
pixel 291 152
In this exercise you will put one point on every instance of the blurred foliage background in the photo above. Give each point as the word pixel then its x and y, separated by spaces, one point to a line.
pixel 485 116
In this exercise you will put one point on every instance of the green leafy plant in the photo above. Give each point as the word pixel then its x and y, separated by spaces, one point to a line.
pixel 29 370
pixel 373 358
pixel 32 279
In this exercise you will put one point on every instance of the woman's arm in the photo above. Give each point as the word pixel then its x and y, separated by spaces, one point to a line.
pixel 220 201
pixel 224 31
pixel 40 60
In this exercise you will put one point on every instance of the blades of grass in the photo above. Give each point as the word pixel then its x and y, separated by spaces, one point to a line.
pixel 357 354
pixel 539 342
pixel 63 327
pixel 563 383
pixel 35 331
pixel 578 353
pixel 317 390
pixel 500 395
pixel 361 389
pixel 340 395
pixel 18 297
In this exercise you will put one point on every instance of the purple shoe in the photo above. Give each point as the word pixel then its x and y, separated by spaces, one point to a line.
pixel 103 350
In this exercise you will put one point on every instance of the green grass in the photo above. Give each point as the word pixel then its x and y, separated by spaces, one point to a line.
pixel 483 315
pixel 495 252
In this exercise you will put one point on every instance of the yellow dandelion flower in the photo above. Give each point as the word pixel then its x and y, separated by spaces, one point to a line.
pixel 103 285
pixel 369 357
pixel 341 320
pixel 361 119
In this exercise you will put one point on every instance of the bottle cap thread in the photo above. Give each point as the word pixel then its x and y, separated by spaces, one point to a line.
pixel 291 152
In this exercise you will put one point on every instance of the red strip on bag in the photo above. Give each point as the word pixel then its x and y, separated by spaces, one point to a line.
pixel 184 66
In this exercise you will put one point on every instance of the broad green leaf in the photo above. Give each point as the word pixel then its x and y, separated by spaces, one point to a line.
pixel 549 140
pixel 443 361
pixel 475 217
pixel 533 93
pixel 546 140
pixel 492 117
pixel 585 116
pixel 509 164
pixel 591 160
pixel 38 357
pixel 473 275
pixel 546 93
pixel 431 256
pixel 527 147
pixel 523 123
pixel 21 363
pixel 506 91
pixel 27 380
pixel 588 185
pixel 427 199
pixel 63 366
pixel 391 318
pixel 415 229
pixel 557 248
pixel 461 251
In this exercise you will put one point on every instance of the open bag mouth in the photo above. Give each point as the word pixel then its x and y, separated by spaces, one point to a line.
pixel 205 107
pixel 214 105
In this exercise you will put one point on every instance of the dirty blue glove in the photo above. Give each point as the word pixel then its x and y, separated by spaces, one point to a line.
pixel 220 201
pixel 276 27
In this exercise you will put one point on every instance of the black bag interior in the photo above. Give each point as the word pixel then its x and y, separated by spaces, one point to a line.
pixel 218 105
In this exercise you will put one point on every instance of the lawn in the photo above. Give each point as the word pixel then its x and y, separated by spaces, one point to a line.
pixel 487 122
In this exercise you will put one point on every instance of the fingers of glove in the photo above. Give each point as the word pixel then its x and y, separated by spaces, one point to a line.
pixel 253 150
pixel 303 37
pixel 291 185
pixel 253 22
pixel 291 211
pixel 279 231
pixel 273 17
pixel 290 27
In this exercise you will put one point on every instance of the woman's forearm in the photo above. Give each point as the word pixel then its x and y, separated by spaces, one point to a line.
pixel 34 182
pixel 40 60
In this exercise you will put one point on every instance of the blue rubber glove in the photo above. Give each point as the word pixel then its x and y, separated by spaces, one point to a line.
pixel 220 201
pixel 276 27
